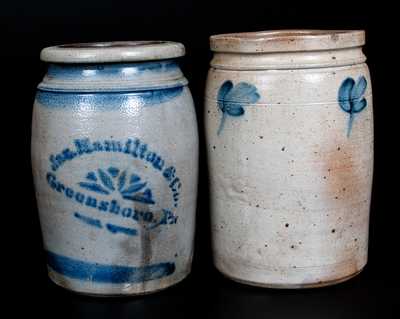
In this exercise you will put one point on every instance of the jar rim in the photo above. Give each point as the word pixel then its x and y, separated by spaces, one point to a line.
pixel 114 51
pixel 290 40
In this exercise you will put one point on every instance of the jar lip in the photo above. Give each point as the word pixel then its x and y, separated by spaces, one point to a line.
pixel 116 51
pixel 291 40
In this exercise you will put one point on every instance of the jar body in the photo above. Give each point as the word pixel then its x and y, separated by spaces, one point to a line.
pixel 115 171
pixel 291 173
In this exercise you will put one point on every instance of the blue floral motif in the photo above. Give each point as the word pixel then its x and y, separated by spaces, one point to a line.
pixel 232 99
pixel 107 181
pixel 351 98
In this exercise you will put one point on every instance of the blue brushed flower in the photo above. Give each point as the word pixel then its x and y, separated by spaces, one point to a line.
pixel 231 99
pixel 351 98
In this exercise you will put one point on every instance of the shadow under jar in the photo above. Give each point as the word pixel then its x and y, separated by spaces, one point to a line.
pixel 114 157
pixel 289 130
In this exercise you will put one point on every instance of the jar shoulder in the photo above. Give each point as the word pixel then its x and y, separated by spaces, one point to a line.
pixel 123 113
pixel 297 86
pixel 164 119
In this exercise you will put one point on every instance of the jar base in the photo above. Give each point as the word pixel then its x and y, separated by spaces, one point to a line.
pixel 59 280
pixel 319 284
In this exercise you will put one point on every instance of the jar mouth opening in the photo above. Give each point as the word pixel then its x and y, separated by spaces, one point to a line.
pixel 286 40
pixel 115 51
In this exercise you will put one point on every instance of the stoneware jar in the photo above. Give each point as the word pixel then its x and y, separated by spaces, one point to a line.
pixel 114 156
pixel 290 145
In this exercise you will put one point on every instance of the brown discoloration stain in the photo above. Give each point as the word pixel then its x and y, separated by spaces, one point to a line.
pixel 143 248
pixel 340 173
pixel 343 186
pixel 347 269
pixel 130 247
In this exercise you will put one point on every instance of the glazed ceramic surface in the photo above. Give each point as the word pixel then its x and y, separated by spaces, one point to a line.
pixel 290 145
pixel 114 155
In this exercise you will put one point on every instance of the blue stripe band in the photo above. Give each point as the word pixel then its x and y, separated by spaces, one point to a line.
pixel 120 70
pixel 106 100
pixel 95 272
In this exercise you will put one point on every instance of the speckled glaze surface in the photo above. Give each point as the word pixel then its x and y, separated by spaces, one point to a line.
pixel 114 157
pixel 289 130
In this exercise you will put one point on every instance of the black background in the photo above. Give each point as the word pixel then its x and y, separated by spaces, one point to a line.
pixel 28 26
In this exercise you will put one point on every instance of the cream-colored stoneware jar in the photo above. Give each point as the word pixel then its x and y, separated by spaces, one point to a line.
pixel 289 130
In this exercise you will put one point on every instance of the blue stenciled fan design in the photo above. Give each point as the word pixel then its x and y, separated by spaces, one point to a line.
pixel 351 98
pixel 232 99
pixel 130 186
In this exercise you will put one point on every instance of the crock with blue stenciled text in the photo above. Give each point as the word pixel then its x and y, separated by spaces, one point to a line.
pixel 114 158
pixel 289 127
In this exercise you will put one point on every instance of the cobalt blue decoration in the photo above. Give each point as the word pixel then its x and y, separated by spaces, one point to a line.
pixel 95 272
pixel 111 100
pixel 232 99
pixel 129 191
pixel 95 222
pixel 351 98
pixel 88 220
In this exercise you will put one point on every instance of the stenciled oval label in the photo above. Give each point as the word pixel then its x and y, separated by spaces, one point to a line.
pixel 127 192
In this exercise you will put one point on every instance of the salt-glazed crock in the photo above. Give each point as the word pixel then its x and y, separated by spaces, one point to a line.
pixel 290 145
pixel 115 156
